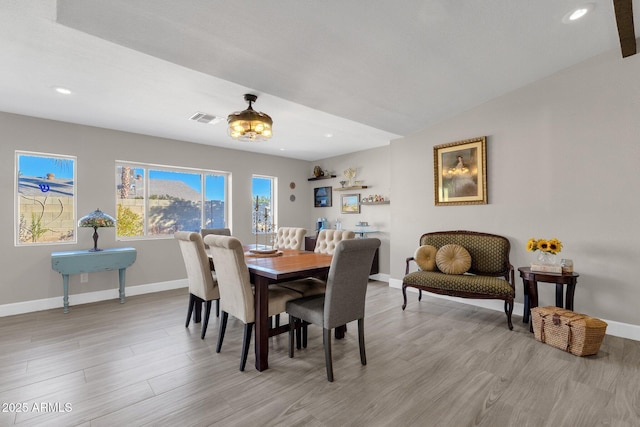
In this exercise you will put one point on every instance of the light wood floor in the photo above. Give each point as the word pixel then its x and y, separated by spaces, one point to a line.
pixel 439 363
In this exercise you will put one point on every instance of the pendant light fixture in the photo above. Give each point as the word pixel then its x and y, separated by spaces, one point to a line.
pixel 249 125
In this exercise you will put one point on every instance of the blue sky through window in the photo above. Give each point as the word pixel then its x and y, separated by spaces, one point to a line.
pixel 40 166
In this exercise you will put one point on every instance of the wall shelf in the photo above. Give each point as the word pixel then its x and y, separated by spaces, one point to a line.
pixel 384 202
pixel 355 187
pixel 317 178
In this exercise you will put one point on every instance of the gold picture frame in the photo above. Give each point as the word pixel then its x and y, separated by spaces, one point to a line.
pixel 460 172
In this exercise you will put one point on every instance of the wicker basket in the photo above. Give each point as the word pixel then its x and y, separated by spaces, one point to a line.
pixel 575 333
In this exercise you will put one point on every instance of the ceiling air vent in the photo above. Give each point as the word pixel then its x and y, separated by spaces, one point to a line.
pixel 206 118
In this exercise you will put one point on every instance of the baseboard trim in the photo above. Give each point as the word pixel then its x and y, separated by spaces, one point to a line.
pixel 616 329
pixel 381 277
pixel 87 297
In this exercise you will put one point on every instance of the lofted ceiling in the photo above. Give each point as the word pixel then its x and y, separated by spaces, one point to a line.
pixel 364 72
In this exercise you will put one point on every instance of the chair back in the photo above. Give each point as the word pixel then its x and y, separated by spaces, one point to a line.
pixel 218 231
pixel 347 281
pixel 201 280
pixel 290 238
pixel 328 239
pixel 236 294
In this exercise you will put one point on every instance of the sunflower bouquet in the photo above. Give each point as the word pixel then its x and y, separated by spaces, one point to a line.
pixel 552 246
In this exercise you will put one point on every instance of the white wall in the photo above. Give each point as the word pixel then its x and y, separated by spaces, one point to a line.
pixel 563 161
pixel 26 271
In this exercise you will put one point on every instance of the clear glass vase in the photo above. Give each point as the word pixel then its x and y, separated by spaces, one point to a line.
pixel 546 257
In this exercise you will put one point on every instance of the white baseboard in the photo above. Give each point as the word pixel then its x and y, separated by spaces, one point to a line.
pixel 88 297
pixel 616 329
pixel 381 277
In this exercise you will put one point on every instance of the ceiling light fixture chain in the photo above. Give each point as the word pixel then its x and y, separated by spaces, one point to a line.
pixel 249 125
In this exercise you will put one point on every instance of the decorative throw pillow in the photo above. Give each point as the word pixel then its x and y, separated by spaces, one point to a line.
pixel 425 257
pixel 453 259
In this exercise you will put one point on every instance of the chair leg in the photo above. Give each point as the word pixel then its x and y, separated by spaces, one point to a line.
pixel 419 294
pixel 509 311
pixel 205 323
pixel 305 332
pixel 192 303
pixel 246 341
pixel 299 323
pixel 404 296
pixel 277 320
pixel 292 330
pixel 363 356
pixel 223 327
pixel 218 307
pixel 326 338
pixel 197 314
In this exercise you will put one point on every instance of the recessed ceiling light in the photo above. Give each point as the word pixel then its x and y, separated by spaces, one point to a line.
pixel 62 90
pixel 328 135
pixel 578 13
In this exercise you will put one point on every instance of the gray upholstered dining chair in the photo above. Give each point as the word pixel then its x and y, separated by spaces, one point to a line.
pixel 290 238
pixel 328 239
pixel 325 244
pixel 203 286
pixel 344 299
pixel 236 292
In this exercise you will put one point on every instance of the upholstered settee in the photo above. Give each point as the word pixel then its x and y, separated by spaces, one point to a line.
pixel 488 275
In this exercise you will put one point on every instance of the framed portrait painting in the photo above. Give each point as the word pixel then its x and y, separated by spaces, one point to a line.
pixel 350 204
pixel 322 197
pixel 460 172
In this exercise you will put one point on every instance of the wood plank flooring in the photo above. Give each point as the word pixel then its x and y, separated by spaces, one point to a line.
pixel 438 363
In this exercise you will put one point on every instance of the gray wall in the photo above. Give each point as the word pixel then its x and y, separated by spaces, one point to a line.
pixel 563 161
pixel 27 273
pixel 373 169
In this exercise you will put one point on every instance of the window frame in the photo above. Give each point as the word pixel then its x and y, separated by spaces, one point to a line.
pixel 150 167
pixel 17 194
pixel 273 203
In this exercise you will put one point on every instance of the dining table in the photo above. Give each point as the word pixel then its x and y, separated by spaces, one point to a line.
pixel 267 269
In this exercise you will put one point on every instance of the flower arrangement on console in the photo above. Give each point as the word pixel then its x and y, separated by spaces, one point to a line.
pixel 547 249
pixel 552 246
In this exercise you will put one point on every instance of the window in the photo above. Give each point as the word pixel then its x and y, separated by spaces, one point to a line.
pixel 158 201
pixel 45 199
pixel 264 216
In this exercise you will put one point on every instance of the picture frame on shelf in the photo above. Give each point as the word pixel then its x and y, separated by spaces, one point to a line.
pixel 460 172
pixel 322 197
pixel 350 204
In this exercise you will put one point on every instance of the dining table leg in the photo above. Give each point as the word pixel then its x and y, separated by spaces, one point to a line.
pixel 262 322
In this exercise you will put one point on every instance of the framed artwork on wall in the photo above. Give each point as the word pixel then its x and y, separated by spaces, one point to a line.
pixel 460 172
pixel 322 197
pixel 350 204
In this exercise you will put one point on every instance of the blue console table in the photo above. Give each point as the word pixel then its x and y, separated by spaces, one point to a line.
pixel 75 262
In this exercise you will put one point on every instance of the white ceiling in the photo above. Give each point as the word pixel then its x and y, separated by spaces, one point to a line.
pixel 365 71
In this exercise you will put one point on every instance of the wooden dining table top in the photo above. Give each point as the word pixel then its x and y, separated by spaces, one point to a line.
pixel 290 263
pixel 286 264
